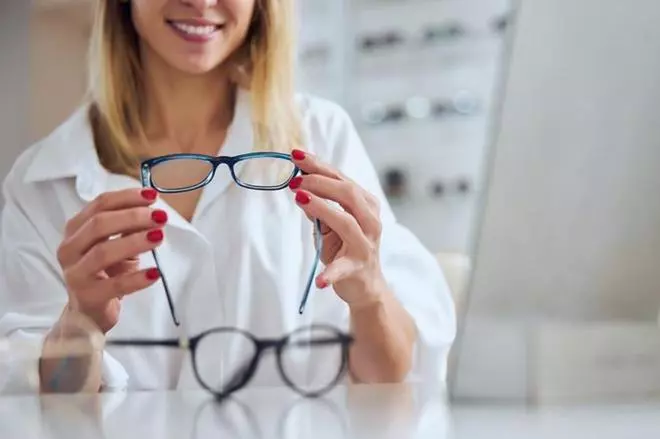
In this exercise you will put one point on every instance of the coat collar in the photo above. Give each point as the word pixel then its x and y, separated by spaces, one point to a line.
pixel 69 152
pixel 66 152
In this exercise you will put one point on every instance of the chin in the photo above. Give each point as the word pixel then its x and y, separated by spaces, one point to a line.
pixel 197 66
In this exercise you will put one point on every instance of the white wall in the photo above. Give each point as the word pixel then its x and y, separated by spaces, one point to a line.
pixel 42 73
pixel 14 70
pixel 572 226
pixel 58 59
pixel 569 248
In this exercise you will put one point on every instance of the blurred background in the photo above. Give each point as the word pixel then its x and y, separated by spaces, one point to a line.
pixel 417 77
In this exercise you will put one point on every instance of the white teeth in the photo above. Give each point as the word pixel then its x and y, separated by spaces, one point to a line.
pixel 194 30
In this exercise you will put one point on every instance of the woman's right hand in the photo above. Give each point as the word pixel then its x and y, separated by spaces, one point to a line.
pixel 100 249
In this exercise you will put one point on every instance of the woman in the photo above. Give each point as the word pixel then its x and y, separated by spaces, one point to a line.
pixel 210 77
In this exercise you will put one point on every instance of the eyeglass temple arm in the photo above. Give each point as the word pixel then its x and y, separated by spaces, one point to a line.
pixel 168 343
pixel 146 182
pixel 320 342
pixel 170 302
pixel 312 274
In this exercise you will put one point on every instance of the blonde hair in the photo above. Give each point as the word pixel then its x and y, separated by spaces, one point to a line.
pixel 266 63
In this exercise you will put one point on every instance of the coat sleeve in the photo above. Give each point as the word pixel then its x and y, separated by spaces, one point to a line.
pixel 32 295
pixel 412 271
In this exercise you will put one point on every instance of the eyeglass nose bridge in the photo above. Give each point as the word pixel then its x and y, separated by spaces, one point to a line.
pixel 216 162
pixel 269 344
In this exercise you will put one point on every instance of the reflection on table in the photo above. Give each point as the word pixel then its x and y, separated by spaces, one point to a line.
pixel 384 412
pixel 396 411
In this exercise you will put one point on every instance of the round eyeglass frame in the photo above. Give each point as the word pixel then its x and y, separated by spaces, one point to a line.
pixel 261 346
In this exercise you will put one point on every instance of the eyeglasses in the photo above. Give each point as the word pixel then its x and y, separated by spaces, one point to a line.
pixel 262 171
pixel 225 359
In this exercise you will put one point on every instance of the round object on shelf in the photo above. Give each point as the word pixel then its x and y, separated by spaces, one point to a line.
pixel 394 182
pixel 501 23
pixel 443 32
pixel 440 109
pixel 438 189
pixel 374 113
pixel 418 107
pixel 463 186
pixel 392 38
pixel 396 114
pixel 465 102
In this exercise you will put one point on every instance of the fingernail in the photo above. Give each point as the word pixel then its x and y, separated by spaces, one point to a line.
pixel 303 197
pixel 149 194
pixel 322 283
pixel 298 154
pixel 153 274
pixel 295 182
pixel 155 235
pixel 159 216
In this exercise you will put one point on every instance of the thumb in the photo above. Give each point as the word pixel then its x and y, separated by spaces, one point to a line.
pixel 336 271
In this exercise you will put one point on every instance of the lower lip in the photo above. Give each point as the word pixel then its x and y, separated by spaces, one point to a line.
pixel 195 38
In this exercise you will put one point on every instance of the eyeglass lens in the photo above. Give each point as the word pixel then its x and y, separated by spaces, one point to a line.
pixel 222 358
pixel 318 346
pixel 266 172
pixel 180 174
pixel 225 360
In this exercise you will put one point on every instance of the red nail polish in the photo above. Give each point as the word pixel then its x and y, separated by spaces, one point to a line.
pixel 159 216
pixel 155 235
pixel 149 194
pixel 303 197
pixel 322 283
pixel 295 182
pixel 153 274
pixel 298 154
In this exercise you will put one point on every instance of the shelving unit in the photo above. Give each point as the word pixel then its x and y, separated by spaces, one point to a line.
pixel 418 78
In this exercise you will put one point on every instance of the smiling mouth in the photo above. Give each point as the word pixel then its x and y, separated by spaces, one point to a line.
pixel 195 30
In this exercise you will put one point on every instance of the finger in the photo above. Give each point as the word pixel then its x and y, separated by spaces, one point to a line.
pixel 348 195
pixel 111 252
pixel 310 164
pixel 123 199
pixel 103 225
pixel 122 285
pixel 345 225
pixel 125 266
pixel 338 270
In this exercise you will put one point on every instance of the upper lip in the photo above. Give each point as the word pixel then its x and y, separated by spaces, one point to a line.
pixel 195 21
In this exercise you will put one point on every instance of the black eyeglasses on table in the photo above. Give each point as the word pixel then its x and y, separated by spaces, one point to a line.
pixel 262 171
pixel 224 376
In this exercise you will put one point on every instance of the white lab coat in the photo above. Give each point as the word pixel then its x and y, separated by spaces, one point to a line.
pixel 242 261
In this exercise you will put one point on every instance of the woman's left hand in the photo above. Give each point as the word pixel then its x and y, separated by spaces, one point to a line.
pixel 351 235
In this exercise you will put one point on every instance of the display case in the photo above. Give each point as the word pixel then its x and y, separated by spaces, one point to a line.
pixel 418 77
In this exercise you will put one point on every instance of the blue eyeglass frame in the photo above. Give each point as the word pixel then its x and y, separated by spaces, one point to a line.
pixel 230 161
